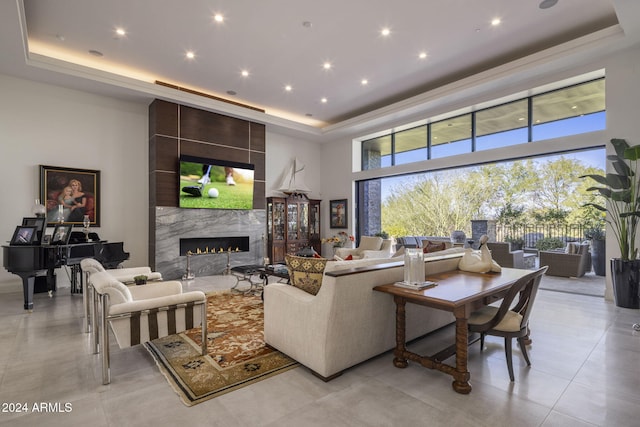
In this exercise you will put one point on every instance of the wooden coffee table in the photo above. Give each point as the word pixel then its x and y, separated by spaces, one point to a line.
pixel 461 293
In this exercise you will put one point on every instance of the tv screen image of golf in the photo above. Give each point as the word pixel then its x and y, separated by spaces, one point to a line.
pixel 215 184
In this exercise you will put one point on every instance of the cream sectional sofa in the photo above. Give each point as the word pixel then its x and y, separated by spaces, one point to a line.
pixel 347 322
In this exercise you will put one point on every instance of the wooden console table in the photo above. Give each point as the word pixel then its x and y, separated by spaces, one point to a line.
pixel 461 293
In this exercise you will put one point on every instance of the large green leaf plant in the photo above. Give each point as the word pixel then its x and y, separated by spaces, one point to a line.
pixel 620 189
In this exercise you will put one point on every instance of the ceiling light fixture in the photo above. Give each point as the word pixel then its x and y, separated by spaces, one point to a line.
pixel 232 92
pixel 96 53
pixel 288 88
pixel 190 54
pixel 546 4
pixel 364 82
pixel 218 17
pixel 307 24
pixel 121 32
pixel 385 32
pixel 245 73
pixel 326 65
pixel 324 100
pixel 422 55
pixel 495 22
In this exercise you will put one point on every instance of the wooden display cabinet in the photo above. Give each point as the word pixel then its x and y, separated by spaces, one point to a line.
pixel 293 223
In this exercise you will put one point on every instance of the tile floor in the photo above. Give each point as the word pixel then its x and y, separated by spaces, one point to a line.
pixel 585 372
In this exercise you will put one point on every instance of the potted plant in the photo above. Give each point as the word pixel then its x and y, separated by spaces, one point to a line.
pixel 596 237
pixel 140 280
pixel 620 190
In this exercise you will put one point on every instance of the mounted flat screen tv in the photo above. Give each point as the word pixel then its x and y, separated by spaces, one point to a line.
pixel 215 184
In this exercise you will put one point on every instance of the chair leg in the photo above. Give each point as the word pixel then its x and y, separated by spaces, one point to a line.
pixel 104 340
pixel 203 327
pixel 507 351
pixel 482 341
pixel 523 348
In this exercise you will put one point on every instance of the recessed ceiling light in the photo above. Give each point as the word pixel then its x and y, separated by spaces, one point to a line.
pixel 324 100
pixel 520 119
pixel 495 22
pixel 309 115
pixel 422 55
pixel 307 24
pixel 60 37
pixel 231 92
pixel 326 65
pixel 288 88
pixel 245 73
pixel 190 54
pixel 121 32
pixel 218 17
pixel 385 32
pixel 364 82
pixel 574 107
pixel 96 52
pixel 546 4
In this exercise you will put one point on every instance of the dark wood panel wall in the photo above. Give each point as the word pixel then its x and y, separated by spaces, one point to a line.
pixel 176 129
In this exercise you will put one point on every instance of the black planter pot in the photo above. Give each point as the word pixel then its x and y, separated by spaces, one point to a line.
pixel 625 277
pixel 598 257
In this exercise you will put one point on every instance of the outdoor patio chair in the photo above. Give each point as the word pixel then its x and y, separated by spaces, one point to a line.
pixel 574 261
pixel 507 321
pixel 502 254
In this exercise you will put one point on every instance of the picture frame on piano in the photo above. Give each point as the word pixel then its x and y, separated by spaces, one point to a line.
pixel 69 194
pixel 61 234
pixel 40 223
pixel 24 235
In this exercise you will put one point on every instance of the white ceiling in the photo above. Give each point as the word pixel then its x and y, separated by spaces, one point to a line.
pixel 50 41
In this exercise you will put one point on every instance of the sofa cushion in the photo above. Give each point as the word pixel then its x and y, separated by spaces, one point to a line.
pixel 306 273
pixel 370 243
pixel 429 246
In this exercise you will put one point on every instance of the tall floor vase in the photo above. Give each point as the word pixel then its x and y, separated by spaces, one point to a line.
pixel 625 277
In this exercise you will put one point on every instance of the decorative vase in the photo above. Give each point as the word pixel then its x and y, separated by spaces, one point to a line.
pixel 598 257
pixel 625 277
pixel 458 236
pixel 414 266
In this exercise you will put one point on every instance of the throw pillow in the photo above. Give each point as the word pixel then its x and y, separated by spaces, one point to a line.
pixel 428 247
pixel 306 273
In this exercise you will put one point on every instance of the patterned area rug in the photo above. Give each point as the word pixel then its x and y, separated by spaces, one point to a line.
pixel 237 354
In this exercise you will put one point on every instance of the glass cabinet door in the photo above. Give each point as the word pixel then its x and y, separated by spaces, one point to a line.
pixel 278 221
pixel 292 221
pixel 304 220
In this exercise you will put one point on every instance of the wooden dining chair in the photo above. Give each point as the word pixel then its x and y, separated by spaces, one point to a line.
pixel 509 320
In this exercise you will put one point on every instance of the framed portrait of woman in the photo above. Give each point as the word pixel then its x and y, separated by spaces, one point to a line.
pixel 69 194
pixel 338 212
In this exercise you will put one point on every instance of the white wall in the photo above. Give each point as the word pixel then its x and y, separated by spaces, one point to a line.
pixel 50 125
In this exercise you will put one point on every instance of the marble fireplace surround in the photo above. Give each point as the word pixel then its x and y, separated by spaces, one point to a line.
pixel 173 224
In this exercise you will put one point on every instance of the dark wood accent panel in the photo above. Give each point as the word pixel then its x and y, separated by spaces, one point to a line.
pixel 258 136
pixel 166 190
pixel 259 201
pixel 258 160
pixel 191 148
pixel 163 153
pixel 163 118
pixel 206 126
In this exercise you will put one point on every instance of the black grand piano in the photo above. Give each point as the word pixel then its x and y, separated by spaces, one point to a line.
pixel 29 261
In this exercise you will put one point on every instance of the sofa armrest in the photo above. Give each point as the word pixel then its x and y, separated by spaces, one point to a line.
pixel 151 303
pixel 127 274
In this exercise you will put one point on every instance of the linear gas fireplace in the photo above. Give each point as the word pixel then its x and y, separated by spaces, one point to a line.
pixel 213 245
